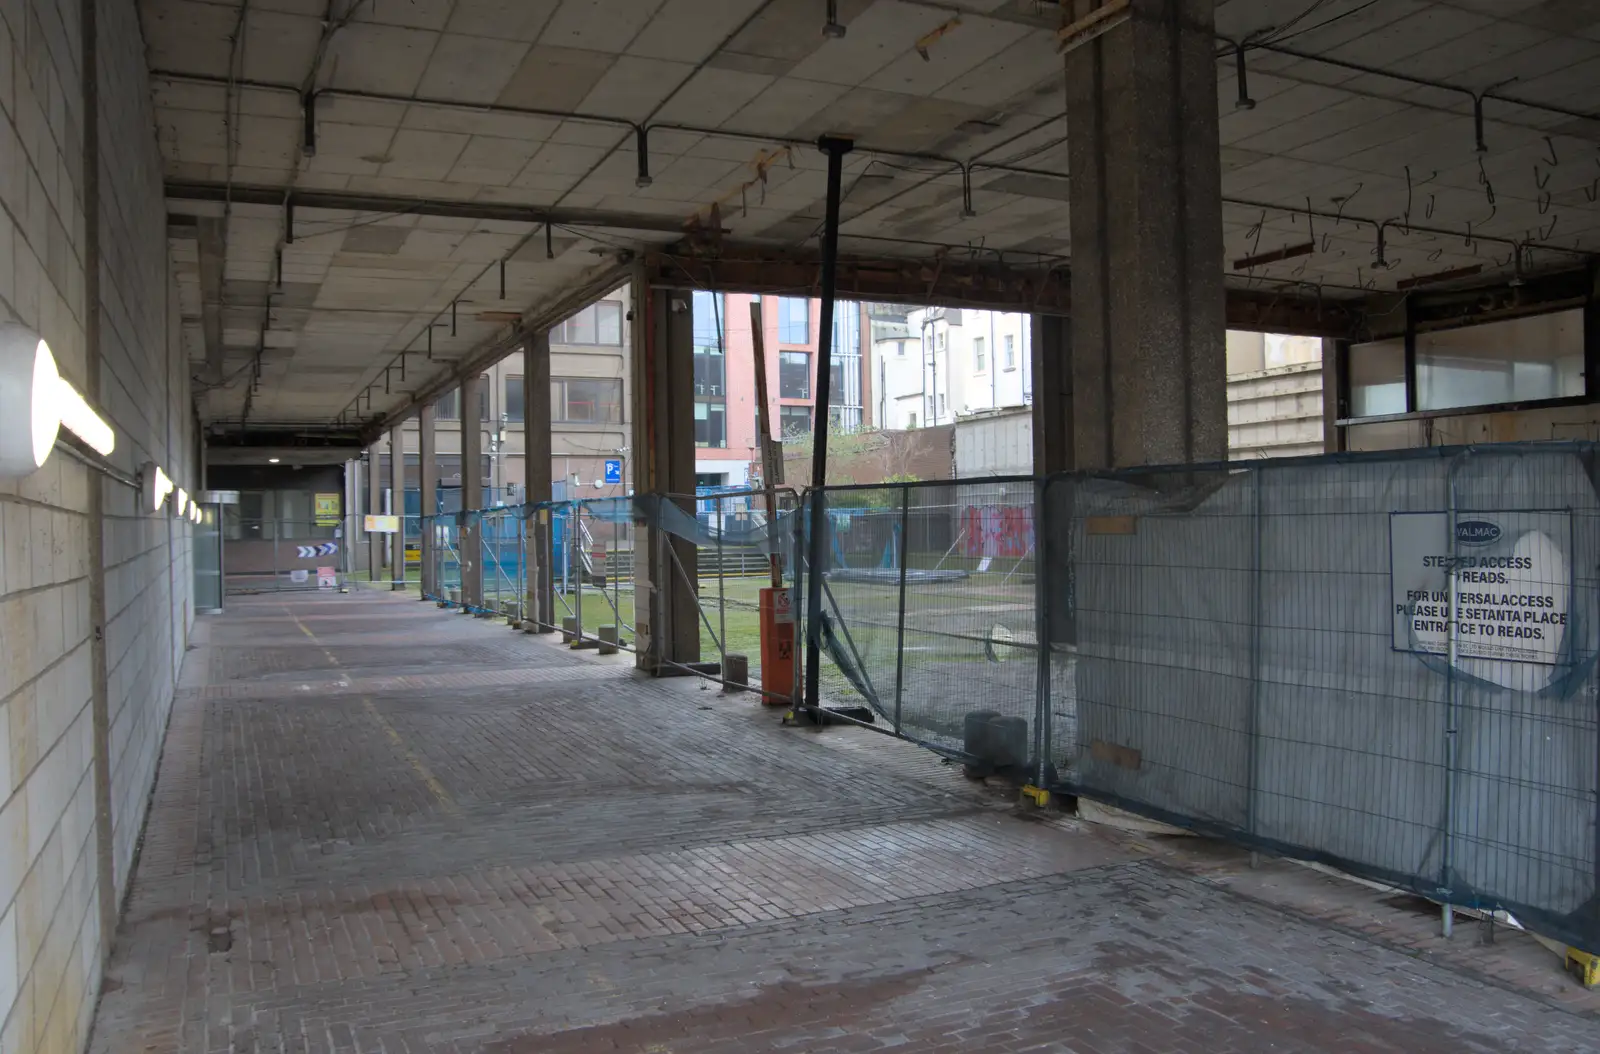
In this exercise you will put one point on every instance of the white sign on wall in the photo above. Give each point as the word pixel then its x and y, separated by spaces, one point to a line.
pixel 1512 584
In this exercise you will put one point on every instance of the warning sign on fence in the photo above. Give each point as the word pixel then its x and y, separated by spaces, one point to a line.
pixel 1511 584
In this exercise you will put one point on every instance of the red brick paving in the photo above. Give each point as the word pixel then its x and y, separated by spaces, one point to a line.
pixel 509 848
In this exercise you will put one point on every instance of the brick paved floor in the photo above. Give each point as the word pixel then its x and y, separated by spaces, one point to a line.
pixel 382 827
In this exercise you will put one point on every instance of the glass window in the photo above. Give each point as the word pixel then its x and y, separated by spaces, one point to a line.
pixel 794 375
pixel 710 316
pixel 1378 378
pixel 1516 360
pixel 578 400
pixel 608 323
pixel 513 403
pixel 483 397
pixel 580 328
pixel 794 420
pixel 599 323
pixel 709 372
pixel 980 360
pixel 448 407
pixel 710 423
pixel 794 320
pixel 1010 360
pixel 900 348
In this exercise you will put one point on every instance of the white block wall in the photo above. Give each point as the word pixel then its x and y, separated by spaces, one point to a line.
pixel 50 939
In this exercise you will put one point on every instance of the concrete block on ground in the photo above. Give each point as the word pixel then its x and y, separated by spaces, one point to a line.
pixel 736 673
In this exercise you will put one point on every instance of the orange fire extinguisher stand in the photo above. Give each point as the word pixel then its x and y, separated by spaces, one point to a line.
pixel 777 645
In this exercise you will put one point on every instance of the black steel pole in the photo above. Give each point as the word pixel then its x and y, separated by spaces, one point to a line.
pixel 835 148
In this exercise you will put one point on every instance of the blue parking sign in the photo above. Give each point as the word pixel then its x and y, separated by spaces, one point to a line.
pixel 613 470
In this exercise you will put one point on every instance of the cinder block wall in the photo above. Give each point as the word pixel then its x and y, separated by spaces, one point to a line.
pixel 50 934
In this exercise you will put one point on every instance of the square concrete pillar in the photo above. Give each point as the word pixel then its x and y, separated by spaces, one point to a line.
pixel 428 481
pixel 397 507
pixel 1149 375
pixel 471 493
pixel 374 506
pixel 540 580
pixel 1051 348
pixel 665 607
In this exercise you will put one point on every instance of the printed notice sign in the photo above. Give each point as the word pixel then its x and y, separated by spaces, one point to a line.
pixel 1511 584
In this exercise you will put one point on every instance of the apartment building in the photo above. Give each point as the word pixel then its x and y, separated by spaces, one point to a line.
pixel 590 421
pixel 726 448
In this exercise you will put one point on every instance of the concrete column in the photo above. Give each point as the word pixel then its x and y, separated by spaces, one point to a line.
pixel 471 493
pixel 397 506
pixel 1334 391
pixel 1148 357
pixel 1052 394
pixel 374 506
pixel 541 603
pixel 428 479
pixel 667 618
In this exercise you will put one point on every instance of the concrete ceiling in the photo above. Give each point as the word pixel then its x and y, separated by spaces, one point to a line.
pixel 527 110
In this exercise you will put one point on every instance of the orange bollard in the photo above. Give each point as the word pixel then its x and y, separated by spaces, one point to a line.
pixel 777 646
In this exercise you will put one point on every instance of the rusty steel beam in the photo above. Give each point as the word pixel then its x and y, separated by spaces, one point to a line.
pixel 982 284
pixel 943 280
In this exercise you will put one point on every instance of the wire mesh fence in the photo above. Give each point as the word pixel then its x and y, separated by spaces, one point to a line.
pixel 1386 662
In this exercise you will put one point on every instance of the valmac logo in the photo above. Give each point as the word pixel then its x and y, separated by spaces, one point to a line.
pixel 1477 532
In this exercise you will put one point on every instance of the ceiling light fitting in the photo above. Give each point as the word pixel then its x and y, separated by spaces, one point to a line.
pixel 641 141
pixel 308 107
pixel 1438 276
pixel 1243 102
pixel 832 28
pixel 1288 252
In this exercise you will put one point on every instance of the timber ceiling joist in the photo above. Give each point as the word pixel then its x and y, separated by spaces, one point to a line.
pixel 384 182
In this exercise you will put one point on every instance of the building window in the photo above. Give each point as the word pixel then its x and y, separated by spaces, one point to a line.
pixel 599 323
pixel 513 398
pixel 709 372
pixel 578 400
pixel 938 339
pixel 941 404
pixel 794 420
pixel 980 359
pixel 710 316
pixel 794 375
pixel 1010 360
pixel 794 320
pixel 483 397
pixel 911 419
pixel 929 409
pixel 710 423
pixel 1516 360
pixel 448 406
pixel 1378 378
pixel 900 349
pixel 709 361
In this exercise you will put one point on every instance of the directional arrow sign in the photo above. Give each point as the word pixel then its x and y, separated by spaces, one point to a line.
pixel 308 552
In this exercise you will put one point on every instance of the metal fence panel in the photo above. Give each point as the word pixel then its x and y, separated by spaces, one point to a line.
pixel 1386 661
pixel 1309 657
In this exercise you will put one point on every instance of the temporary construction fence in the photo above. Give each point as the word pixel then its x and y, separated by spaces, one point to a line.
pixel 1386 662
pixel 591 548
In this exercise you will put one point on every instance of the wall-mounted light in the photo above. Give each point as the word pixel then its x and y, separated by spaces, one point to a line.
pixel 272 461
pixel 154 486
pixel 36 402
